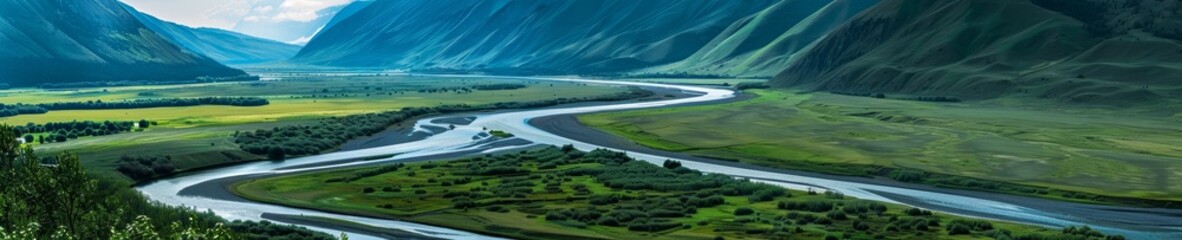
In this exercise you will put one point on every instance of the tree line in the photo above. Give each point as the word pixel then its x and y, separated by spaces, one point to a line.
pixel 63 131
pixel 243 78
pixel 469 89
pixel 328 133
pixel 61 201
pixel 8 110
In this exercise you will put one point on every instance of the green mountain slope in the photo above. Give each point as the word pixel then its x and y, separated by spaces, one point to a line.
pixel 763 44
pixel 571 36
pixel 1095 51
pixel 223 46
pixel 55 41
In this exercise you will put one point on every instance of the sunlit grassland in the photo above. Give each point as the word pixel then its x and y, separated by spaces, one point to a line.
pixel 200 136
pixel 1101 151
pixel 336 96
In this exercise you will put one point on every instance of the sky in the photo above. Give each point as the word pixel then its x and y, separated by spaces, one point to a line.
pixel 229 14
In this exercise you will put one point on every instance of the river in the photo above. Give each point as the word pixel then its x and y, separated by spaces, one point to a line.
pixel 466 139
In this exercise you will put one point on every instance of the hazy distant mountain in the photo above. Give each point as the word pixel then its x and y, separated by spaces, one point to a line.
pixel 284 30
pixel 1099 51
pixel 223 46
pixel 570 36
pixel 53 41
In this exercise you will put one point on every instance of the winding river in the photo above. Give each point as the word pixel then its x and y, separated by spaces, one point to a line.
pixel 1135 223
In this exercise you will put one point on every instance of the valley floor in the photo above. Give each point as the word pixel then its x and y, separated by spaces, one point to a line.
pixel 1086 152
pixel 202 136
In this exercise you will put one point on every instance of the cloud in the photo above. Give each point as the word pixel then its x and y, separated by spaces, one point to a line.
pixel 300 41
pixel 303 10
pixel 263 9
pixel 252 18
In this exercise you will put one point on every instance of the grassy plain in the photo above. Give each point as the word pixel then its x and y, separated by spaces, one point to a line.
pixel 1113 152
pixel 568 201
pixel 199 136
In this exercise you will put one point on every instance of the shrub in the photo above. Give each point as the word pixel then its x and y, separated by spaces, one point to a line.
pixel 743 211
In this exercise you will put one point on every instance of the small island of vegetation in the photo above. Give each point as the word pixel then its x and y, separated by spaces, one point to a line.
pixel 564 193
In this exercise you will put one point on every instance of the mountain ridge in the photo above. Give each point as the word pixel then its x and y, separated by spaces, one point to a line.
pixel 224 46
pixel 491 34
pixel 973 49
pixel 92 41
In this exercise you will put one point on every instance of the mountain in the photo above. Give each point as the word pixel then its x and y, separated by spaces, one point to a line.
pixel 223 46
pixel 567 36
pixel 57 41
pixel 347 12
pixel 1084 51
pixel 764 44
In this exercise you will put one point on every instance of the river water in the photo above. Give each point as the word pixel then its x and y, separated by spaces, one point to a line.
pixel 465 138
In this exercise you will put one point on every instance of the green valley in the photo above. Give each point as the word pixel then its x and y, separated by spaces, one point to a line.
pixel 1089 152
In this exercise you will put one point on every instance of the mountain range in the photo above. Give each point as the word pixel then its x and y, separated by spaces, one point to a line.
pixel 223 46
pixel 1086 51
pixel 56 41
pixel 569 36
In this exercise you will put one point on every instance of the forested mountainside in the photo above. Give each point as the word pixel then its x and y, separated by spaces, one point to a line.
pixel 223 46
pixel 1093 51
pixel 58 41
pixel 579 36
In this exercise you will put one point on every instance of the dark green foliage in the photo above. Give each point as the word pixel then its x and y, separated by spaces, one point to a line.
pixel 811 205
pixel 87 208
pixel 145 167
pixel 971 225
pixel 7 110
pixel 369 173
pixel 670 164
pixel 766 194
pixel 499 86
pixel 917 212
pixel 264 230
pixel 241 78
pixel 652 225
pixel 63 131
pixel 904 175
pixel 744 211
pixel 651 198
pixel 751 85
pixel 158 102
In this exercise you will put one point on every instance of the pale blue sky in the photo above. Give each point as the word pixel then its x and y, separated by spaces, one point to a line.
pixel 291 21
pixel 226 14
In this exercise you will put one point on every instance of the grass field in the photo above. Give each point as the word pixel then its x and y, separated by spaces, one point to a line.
pixel 200 136
pixel 567 201
pixel 1124 153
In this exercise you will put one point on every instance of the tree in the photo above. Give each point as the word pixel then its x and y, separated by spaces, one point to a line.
pixel 276 153
pixel 670 164
pixel 144 123
pixel 29 138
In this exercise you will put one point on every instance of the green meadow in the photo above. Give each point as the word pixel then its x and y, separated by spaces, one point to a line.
pixel 554 193
pixel 200 136
pixel 1086 152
